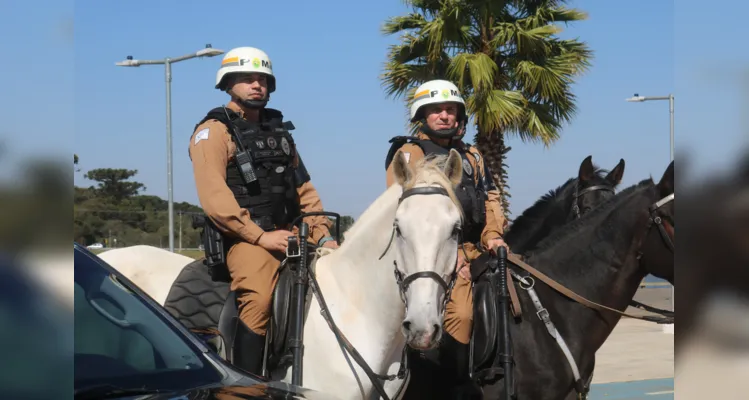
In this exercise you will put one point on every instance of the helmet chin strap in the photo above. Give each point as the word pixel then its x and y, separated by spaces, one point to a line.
pixel 249 103
pixel 451 133
pixel 254 104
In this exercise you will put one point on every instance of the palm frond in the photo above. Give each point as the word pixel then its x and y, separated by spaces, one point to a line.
pixel 537 124
pixel 548 81
pixel 403 23
pixel 398 77
pixel 495 110
pixel 481 70
pixel 413 47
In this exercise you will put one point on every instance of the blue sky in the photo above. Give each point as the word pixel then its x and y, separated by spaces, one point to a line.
pixel 66 95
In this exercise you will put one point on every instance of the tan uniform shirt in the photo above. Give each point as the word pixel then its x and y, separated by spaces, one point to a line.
pixel 210 155
pixel 495 220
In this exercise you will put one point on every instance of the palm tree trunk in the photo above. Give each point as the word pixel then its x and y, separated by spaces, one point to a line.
pixel 492 146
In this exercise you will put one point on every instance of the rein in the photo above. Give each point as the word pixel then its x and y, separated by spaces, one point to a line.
pixel 344 342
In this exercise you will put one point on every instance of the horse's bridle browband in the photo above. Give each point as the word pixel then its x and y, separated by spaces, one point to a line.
pixel 578 193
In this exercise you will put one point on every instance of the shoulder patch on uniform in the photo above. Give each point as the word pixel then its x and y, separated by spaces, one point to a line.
pixel 467 167
pixel 202 135
pixel 477 156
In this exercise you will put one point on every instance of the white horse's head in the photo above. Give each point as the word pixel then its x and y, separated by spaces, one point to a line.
pixel 427 229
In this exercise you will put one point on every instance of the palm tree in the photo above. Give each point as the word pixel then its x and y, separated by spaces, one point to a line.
pixel 505 57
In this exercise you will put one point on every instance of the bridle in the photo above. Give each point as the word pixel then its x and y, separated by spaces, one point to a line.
pixel 657 220
pixel 401 279
pixel 403 283
pixel 578 193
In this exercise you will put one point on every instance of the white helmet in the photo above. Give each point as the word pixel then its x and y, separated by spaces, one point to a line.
pixel 434 92
pixel 245 60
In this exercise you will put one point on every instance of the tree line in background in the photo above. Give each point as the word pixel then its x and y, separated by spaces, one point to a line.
pixel 114 213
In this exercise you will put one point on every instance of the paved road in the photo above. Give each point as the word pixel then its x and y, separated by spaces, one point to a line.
pixel 637 360
pixel 651 389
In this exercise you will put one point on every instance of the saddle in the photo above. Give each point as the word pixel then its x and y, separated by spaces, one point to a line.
pixel 277 350
pixel 485 339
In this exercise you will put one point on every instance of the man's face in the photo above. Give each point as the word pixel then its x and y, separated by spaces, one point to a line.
pixel 441 116
pixel 250 86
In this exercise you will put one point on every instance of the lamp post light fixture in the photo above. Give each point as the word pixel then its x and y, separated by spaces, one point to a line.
pixel 639 99
pixel 208 51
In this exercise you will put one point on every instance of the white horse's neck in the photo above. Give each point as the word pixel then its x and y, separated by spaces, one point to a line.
pixel 364 301
pixel 356 267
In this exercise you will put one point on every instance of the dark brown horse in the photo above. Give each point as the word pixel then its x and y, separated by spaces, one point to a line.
pixel 603 257
pixel 570 201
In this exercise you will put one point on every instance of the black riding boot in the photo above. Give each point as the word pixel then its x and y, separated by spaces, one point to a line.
pixel 248 349
pixel 454 358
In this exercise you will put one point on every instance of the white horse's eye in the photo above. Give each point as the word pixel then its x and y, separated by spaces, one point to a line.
pixel 456 231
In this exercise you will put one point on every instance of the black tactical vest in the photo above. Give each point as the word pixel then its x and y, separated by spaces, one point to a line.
pixel 272 199
pixel 470 195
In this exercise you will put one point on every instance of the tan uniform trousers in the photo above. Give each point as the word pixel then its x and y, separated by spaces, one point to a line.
pixel 459 311
pixel 254 273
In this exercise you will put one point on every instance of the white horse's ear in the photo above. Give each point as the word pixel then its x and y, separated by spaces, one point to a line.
pixel 401 168
pixel 454 167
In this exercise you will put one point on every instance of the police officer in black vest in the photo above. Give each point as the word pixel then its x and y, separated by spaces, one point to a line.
pixel 440 109
pixel 251 184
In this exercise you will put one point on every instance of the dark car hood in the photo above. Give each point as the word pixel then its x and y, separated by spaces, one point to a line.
pixel 270 390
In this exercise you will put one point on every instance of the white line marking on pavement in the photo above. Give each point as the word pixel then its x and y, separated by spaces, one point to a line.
pixel 657 393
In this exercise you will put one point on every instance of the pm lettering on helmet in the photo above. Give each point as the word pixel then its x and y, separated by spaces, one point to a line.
pixel 255 62
pixel 445 93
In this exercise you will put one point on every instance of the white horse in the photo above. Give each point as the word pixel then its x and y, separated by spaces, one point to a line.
pixel 414 227
pixel 151 268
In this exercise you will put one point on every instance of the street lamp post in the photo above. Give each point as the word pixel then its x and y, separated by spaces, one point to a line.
pixel 638 99
pixel 208 51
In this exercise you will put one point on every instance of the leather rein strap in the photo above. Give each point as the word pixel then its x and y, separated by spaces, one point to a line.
pixel 513 258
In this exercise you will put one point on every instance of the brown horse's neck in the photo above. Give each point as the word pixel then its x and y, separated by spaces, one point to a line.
pixel 625 281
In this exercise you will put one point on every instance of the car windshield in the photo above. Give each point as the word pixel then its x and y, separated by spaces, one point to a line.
pixel 121 341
